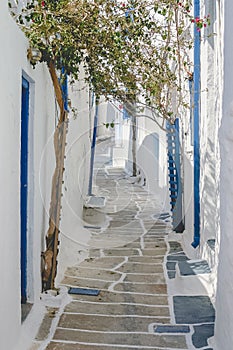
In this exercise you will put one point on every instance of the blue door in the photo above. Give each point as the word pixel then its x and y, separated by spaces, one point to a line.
pixel 23 186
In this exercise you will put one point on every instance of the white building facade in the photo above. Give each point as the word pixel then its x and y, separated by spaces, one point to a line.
pixel 29 116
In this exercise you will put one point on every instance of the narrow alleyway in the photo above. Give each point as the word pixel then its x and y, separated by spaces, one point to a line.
pixel 125 302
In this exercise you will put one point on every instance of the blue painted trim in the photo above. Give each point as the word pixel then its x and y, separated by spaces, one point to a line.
pixel 196 117
pixel 23 187
pixel 64 88
pixel 93 149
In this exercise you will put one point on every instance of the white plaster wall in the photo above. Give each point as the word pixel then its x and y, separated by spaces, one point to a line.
pixel 13 62
pixel 224 311
pixel 209 143
pixel 210 117
pixel 74 237
pixel 106 114
pixel 188 207
pixel 152 161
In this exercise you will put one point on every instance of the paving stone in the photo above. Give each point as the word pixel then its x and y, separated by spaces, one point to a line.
pixel 157 233
pixel 132 245
pixel 116 309
pixel 163 341
pixel 112 241
pixel 171 274
pixel 130 222
pixel 151 278
pixel 105 262
pixel 142 288
pixel 154 252
pixel 174 244
pixel 85 283
pixel 111 297
pixel 65 346
pixel 172 329
pixel 140 268
pixel 146 259
pixel 171 265
pixel 180 257
pixel 193 309
pixel 156 244
pixel 108 323
pixel 94 253
pixel 153 239
pixel 120 319
pixel 201 335
pixel 93 273
pixel 189 268
pixel 121 252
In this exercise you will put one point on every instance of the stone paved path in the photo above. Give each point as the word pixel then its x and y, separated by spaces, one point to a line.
pixel 130 263
pixel 126 263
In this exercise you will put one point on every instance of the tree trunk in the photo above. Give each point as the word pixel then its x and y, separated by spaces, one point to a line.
pixel 49 268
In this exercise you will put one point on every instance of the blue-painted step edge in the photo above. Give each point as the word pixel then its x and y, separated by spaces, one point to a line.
pixel 84 291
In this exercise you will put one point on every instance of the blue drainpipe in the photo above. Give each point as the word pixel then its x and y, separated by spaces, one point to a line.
pixel 64 88
pixel 196 77
pixel 93 149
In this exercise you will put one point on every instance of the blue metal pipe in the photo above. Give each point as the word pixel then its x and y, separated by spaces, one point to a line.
pixel 64 88
pixel 93 149
pixel 196 117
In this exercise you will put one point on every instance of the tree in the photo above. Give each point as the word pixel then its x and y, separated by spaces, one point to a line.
pixel 132 52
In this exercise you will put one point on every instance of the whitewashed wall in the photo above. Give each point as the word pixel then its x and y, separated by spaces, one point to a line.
pixel 152 158
pixel 210 118
pixel 211 114
pixel 14 63
pixel 74 237
pixel 41 163
pixel 224 308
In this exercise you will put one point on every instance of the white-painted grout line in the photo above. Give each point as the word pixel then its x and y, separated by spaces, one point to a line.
pixel 116 316
pixel 104 332
pixel 121 279
pixel 102 253
pixel 119 303
pixel 120 264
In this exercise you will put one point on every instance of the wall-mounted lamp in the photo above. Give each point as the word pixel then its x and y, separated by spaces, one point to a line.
pixel 34 55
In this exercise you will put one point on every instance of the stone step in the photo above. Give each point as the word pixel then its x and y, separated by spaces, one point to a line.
pixel 193 267
pixel 148 341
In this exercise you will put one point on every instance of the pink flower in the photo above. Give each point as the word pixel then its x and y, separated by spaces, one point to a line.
pixel 43 3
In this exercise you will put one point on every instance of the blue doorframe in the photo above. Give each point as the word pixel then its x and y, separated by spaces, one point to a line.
pixel 24 187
